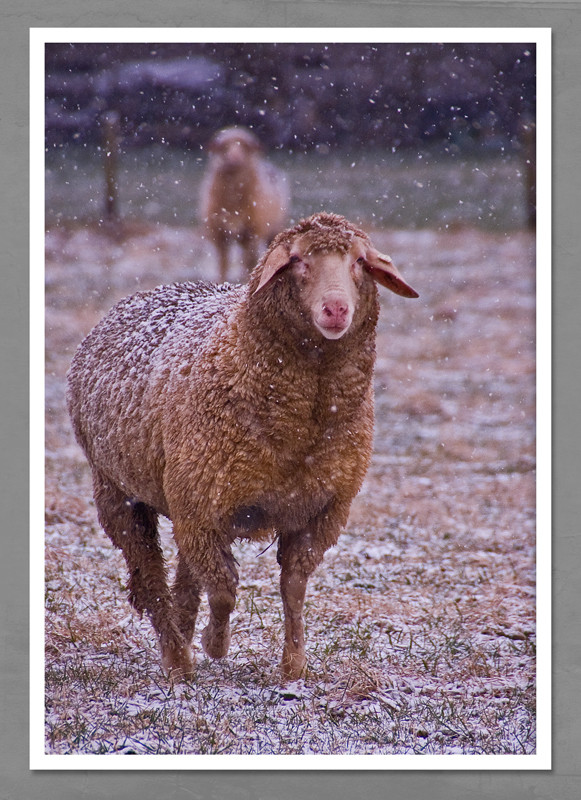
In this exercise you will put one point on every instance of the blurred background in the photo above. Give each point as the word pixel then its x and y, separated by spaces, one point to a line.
pixel 391 135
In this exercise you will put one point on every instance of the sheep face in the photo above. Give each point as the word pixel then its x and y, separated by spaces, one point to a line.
pixel 330 281
pixel 231 149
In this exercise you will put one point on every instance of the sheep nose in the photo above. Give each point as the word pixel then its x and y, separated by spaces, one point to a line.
pixel 335 312
pixel 235 156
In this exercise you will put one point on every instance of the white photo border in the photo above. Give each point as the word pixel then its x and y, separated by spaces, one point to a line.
pixel 541 760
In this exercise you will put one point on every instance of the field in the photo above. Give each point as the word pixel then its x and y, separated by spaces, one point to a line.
pixel 421 622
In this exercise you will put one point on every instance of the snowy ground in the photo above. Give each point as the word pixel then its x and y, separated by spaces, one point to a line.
pixel 420 623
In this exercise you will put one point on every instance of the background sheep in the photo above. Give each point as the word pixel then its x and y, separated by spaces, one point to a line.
pixel 236 412
pixel 244 199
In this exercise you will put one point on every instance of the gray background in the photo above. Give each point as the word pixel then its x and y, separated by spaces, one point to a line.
pixel 16 782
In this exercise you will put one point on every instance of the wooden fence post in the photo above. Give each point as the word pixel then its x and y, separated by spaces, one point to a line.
pixel 111 135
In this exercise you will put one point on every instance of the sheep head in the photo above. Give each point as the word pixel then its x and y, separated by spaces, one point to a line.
pixel 233 147
pixel 330 259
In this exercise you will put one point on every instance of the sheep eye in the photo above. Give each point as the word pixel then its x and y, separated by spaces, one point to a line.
pixel 301 267
pixel 360 260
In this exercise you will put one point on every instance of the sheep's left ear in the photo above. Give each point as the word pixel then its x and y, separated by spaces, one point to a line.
pixel 276 260
pixel 382 270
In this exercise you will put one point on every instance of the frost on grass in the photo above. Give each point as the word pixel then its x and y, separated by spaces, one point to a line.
pixel 420 623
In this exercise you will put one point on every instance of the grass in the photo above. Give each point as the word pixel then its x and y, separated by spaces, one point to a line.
pixel 402 693
pixel 432 683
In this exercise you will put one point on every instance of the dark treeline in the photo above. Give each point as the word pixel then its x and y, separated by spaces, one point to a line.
pixel 295 96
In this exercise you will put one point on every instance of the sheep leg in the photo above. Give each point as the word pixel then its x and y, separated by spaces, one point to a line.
pixel 214 570
pixel 132 527
pixel 299 554
pixel 297 562
pixel 249 242
pixel 222 248
pixel 222 599
pixel 293 587
pixel 186 594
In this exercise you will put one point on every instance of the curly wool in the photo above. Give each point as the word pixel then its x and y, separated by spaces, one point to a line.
pixel 324 232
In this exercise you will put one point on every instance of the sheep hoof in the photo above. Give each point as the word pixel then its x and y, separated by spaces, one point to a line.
pixel 216 643
pixel 177 663
pixel 293 665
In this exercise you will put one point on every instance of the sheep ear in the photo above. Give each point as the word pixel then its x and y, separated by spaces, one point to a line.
pixel 255 145
pixel 382 270
pixel 276 260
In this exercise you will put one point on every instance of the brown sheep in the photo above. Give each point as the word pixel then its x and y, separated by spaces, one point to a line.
pixel 243 198
pixel 236 411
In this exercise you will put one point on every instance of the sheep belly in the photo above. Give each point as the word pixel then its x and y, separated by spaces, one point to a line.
pixel 282 512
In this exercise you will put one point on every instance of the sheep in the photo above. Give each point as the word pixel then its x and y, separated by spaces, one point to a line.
pixel 237 412
pixel 243 198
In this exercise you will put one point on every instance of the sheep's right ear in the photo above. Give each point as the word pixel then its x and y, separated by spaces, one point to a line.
pixel 276 260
